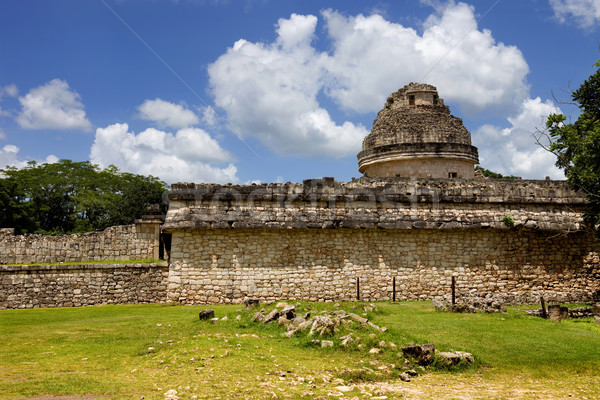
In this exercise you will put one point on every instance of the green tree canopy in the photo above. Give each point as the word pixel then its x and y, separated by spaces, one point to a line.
pixel 491 174
pixel 68 197
pixel 577 145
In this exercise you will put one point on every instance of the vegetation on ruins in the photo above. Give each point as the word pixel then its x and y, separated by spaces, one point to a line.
pixel 508 221
pixel 70 197
pixel 577 145
pixel 159 351
pixel 491 174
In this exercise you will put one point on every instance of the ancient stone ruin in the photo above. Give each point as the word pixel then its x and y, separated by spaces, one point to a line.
pixel 415 135
pixel 415 221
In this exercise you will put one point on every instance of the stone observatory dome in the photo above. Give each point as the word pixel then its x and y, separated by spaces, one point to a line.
pixel 416 136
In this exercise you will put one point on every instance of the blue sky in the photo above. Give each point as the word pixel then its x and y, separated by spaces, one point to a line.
pixel 276 90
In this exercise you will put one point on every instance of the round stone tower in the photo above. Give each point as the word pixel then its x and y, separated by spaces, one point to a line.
pixel 416 136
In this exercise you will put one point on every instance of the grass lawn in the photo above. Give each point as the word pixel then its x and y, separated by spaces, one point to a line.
pixel 103 352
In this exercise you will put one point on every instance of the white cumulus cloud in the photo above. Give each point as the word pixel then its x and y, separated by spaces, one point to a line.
pixel 166 114
pixel 270 91
pixel 185 156
pixel 585 12
pixel 53 106
pixel 513 150
pixel 273 91
pixel 373 57
pixel 9 157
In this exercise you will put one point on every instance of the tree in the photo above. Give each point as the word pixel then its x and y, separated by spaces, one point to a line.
pixel 491 174
pixel 68 197
pixel 577 145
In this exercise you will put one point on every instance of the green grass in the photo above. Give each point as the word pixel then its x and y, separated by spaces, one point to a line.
pixel 103 350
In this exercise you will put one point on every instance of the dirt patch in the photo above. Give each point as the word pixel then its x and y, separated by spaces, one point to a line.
pixel 470 387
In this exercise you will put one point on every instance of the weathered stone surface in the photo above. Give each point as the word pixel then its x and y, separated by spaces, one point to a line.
pixel 206 314
pixel 388 203
pixel 326 343
pixel 404 377
pixel 422 353
pixel 557 312
pixel 272 316
pixel 34 286
pixel 415 135
pixel 249 303
pixel 471 302
pixel 125 242
pixel 289 311
pixel 258 317
pixel 454 358
pixel 358 318
pixel 323 265
pixel 322 325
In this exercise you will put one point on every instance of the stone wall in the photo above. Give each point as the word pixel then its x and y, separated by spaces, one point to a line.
pixel 35 286
pixel 421 168
pixel 225 266
pixel 392 203
pixel 314 240
pixel 126 242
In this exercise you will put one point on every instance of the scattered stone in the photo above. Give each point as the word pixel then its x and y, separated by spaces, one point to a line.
pixel 214 320
pixel 281 305
pixel 471 302
pixel 272 316
pixel 358 318
pixel 304 325
pixel 412 372
pixel 344 389
pixel 347 339
pixel 326 343
pixel 151 350
pixel 322 325
pixel 289 334
pixel 238 317
pixel 171 395
pixel 289 311
pixel 380 329
pixel 224 318
pixel 206 314
pixel 454 358
pixel 282 320
pixel 250 303
pixel 404 377
pixel 422 353
pixel 258 317
pixel 374 350
pixel 159 325
pixel 597 319
pixel 295 322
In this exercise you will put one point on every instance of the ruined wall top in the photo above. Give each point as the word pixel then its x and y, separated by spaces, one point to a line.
pixel 392 203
